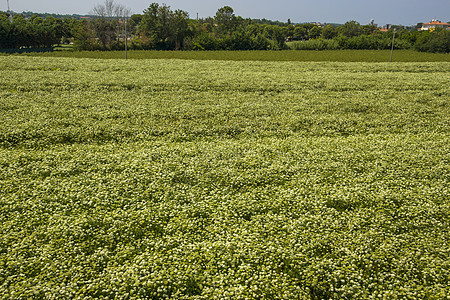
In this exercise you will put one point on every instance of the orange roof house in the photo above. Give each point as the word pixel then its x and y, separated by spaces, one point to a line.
pixel 435 24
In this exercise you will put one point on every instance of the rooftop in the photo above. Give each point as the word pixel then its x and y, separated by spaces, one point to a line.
pixel 436 22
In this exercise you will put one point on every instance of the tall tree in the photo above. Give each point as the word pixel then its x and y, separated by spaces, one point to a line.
pixel 107 24
pixel 329 32
pixel 6 29
pixel 275 33
pixel 149 21
pixel 300 32
pixel 104 30
pixel 350 29
pixel 81 36
pixel 181 27
pixel 315 32
pixel 109 9
pixel 165 28
pixel 225 20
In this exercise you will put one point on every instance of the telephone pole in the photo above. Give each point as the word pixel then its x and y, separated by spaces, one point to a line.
pixel 392 49
pixel 126 39
pixel 9 12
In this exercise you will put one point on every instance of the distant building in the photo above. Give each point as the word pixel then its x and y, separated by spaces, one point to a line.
pixel 434 24
pixel 385 28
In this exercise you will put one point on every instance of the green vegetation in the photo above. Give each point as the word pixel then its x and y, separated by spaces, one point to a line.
pixel 377 42
pixel 223 179
pixel 161 28
pixel 326 55
pixel 436 41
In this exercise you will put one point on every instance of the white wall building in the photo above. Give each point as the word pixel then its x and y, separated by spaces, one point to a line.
pixel 435 24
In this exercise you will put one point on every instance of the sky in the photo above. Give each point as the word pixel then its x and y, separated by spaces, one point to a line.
pixel 404 12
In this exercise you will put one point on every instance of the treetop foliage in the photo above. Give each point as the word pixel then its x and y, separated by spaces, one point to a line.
pixel 160 27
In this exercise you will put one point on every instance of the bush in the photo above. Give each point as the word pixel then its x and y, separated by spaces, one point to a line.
pixel 363 42
pixel 260 42
pixel 317 44
pixel 203 42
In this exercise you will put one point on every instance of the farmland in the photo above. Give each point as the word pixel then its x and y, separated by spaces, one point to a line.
pixel 288 55
pixel 200 179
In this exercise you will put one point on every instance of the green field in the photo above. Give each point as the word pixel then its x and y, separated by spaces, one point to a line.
pixel 209 179
pixel 288 55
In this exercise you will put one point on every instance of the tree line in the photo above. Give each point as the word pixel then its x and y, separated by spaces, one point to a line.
pixel 161 28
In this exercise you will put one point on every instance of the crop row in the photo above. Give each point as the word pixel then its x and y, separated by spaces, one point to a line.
pixel 61 101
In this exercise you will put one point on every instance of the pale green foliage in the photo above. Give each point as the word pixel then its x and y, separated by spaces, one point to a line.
pixel 223 180
pixel 317 44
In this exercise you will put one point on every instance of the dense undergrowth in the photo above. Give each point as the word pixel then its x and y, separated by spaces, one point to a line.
pixel 223 179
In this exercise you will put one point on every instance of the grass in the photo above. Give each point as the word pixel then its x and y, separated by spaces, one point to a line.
pixel 288 55
pixel 191 179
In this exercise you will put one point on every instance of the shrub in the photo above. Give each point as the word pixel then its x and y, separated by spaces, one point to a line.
pixel 317 44
pixel 203 42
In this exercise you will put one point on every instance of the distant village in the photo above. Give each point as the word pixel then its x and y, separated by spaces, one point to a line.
pixel 432 25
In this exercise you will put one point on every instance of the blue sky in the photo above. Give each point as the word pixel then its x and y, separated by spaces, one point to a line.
pixel 405 12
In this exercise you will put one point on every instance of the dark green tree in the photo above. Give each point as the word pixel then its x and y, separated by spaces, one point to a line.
pixel 288 31
pixel 368 29
pixel 81 36
pixel 149 21
pixel 350 29
pixel 225 20
pixel 300 32
pixel 21 32
pixel 315 32
pixel 6 32
pixel 68 27
pixel 254 29
pixel 165 28
pixel 260 42
pixel 181 27
pixel 275 33
pixel 328 32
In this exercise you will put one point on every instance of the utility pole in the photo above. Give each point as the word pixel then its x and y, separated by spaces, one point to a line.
pixel 9 12
pixel 392 49
pixel 126 39
pixel 126 12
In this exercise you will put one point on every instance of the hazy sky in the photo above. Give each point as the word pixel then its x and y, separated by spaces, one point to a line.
pixel 405 12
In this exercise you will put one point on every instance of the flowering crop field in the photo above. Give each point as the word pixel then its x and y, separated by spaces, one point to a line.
pixel 150 179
